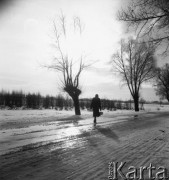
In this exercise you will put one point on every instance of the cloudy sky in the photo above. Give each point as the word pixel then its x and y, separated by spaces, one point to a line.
pixel 26 37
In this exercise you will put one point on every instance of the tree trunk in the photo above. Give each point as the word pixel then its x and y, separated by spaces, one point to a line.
pixel 76 105
pixel 136 103
pixel 167 97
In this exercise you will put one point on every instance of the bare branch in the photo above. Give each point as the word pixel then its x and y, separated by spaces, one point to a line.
pixel 78 25
pixel 149 18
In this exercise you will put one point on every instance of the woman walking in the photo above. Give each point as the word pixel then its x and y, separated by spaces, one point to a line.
pixel 96 105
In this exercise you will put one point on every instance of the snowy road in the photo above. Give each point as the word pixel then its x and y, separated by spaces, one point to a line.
pixel 56 131
pixel 59 131
pixel 46 147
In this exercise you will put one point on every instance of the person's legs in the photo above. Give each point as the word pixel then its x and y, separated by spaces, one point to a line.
pixel 94 119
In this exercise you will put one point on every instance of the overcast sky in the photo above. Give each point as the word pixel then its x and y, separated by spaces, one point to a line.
pixel 25 44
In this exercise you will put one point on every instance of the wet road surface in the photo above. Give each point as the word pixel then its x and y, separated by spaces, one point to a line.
pixel 71 148
pixel 60 132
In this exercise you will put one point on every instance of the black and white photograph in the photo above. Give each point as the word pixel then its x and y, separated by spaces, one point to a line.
pixel 84 89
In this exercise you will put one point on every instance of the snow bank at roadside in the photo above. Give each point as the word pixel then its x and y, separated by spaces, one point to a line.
pixel 29 114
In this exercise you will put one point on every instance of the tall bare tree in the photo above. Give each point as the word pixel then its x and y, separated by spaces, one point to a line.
pixel 162 82
pixel 150 19
pixel 135 63
pixel 69 67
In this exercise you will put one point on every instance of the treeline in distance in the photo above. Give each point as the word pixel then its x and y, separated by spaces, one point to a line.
pixel 21 100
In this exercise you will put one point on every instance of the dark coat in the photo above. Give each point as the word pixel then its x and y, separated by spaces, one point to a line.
pixel 96 105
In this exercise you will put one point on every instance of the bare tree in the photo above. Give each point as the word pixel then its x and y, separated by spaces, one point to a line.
pixel 135 63
pixel 69 67
pixel 150 19
pixel 162 82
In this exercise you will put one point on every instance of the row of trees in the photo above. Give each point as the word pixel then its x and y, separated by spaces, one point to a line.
pixel 135 61
pixel 18 99
pixel 136 64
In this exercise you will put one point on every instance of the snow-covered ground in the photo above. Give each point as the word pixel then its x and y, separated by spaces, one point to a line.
pixel 17 125
pixel 13 115
pixel 32 142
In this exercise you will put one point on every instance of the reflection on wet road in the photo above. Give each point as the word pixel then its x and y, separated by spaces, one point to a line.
pixel 74 148
pixel 65 134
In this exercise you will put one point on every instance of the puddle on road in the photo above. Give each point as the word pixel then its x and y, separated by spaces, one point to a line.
pixel 17 138
pixel 70 134
pixel 69 144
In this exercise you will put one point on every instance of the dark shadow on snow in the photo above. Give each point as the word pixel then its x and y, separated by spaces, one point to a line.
pixel 71 118
pixel 107 132
pixel 75 122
